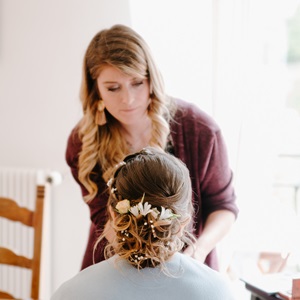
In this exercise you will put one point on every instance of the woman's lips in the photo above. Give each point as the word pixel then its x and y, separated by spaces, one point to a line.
pixel 128 110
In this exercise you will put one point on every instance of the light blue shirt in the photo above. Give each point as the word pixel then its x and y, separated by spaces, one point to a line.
pixel 114 279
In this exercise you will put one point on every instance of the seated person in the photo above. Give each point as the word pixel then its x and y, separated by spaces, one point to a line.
pixel 150 211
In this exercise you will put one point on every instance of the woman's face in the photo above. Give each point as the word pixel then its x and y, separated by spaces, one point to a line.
pixel 125 97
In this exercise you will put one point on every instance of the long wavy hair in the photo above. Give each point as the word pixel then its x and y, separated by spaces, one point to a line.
pixel 163 181
pixel 122 48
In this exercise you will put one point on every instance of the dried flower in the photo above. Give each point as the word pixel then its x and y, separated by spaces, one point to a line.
pixel 123 206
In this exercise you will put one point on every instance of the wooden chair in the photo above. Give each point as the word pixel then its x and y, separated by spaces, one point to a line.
pixel 9 209
pixel 272 262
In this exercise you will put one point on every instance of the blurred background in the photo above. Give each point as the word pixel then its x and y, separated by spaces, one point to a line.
pixel 237 60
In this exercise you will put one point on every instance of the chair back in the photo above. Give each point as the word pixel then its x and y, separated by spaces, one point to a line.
pixel 10 209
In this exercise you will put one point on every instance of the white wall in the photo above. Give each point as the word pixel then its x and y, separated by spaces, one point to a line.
pixel 42 44
pixel 180 35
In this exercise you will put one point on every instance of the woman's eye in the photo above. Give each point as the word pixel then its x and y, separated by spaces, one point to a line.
pixel 138 83
pixel 113 89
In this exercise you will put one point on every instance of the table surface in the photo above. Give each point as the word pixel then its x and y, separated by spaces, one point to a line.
pixel 259 294
pixel 268 287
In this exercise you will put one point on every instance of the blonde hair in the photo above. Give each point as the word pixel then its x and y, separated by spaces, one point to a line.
pixel 162 180
pixel 124 49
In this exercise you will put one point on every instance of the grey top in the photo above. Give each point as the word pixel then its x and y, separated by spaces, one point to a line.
pixel 117 279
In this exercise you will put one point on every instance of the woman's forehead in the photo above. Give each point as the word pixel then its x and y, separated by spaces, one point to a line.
pixel 112 74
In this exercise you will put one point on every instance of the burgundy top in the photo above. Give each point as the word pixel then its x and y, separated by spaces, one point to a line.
pixel 198 142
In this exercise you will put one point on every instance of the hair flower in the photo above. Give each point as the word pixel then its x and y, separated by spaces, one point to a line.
pixel 135 210
pixel 166 214
pixel 144 209
pixel 123 206
pixel 141 209
pixel 155 212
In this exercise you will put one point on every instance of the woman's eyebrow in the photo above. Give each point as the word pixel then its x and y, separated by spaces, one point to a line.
pixel 109 81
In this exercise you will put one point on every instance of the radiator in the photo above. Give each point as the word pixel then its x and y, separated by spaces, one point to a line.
pixel 20 184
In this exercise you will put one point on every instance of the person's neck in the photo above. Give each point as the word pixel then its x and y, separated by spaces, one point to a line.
pixel 137 136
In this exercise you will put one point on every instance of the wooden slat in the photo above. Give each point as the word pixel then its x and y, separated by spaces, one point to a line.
pixel 38 226
pixel 8 257
pixel 4 295
pixel 11 210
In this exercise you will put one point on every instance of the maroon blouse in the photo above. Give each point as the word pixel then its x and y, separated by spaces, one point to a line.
pixel 198 142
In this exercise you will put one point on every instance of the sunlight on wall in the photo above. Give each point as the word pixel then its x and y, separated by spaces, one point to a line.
pixel 180 37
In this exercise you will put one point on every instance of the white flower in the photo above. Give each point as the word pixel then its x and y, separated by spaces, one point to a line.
pixel 123 206
pixel 135 210
pixel 154 213
pixel 141 209
pixel 144 209
pixel 165 214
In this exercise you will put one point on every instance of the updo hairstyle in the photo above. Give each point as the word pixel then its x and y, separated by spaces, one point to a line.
pixel 162 181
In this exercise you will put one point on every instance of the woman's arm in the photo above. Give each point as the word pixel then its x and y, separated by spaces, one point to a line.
pixel 97 206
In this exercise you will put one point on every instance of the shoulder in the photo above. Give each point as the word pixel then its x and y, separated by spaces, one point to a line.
pixel 74 140
pixel 74 145
pixel 190 114
pixel 212 284
pixel 88 283
pixel 194 266
pixel 192 127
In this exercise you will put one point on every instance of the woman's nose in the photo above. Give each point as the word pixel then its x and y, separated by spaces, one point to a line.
pixel 127 96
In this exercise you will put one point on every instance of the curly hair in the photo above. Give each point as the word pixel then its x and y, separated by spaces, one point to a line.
pixel 122 48
pixel 162 181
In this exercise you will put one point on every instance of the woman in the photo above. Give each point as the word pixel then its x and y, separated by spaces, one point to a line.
pixel 150 207
pixel 125 108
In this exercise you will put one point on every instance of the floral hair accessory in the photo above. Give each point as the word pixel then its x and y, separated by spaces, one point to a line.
pixel 143 209
pixel 167 214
